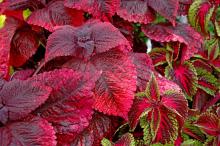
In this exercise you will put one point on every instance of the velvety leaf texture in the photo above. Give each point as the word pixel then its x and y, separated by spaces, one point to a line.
pixel 6 35
pixel 98 8
pixel 19 98
pixel 55 14
pixel 185 76
pixel 182 33
pixel 69 107
pixel 85 41
pixel 34 131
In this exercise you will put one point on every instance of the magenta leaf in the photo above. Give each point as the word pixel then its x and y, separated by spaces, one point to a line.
pixel 166 8
pixel 24 44
pixel 69 107
pixel 159 116
pixel 101 9
pixel 185 76
pixel 100 126
pixel 34 131
pixel 92 38
pixel 19 98
pixel 55 14
pixel 182 33
pixel 136 11
pixel 6 35
pixel 209 123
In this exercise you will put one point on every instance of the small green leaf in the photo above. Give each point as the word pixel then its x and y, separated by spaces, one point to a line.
pixel 191 142
pixel 26 13
pixel 2 21
pixel 106 142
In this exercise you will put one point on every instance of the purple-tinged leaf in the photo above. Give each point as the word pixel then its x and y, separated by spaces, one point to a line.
pixel 19 98
pixel 34 131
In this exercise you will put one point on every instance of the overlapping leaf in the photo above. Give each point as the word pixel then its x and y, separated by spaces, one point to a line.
pixel 185 76
pixel 19 98
pixel 55 14
pixel 85 41
pixel 69 107
pixel 126 140
pixel 116 84
pixel 34 131
pixel 182 33
pixel 101 9
pixel 160 115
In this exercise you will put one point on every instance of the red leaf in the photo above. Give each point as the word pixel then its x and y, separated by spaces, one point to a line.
pixel 185 76
pixel 152 90
pixel 166 8
pixel 55 14
pixel 22 74
pixel 69 107
pixel 35 131
pixel 6 35
pixel 99 127
pixel 136 11
pixel 24 44
pixel 182 33
pixel 19 98
pixel 116 84
pixel 98 8
pixel 209 123
pixel 85 41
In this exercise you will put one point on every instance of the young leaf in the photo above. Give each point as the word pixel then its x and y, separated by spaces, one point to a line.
pixel 19 98
pixel 83 42
pixel 34 131
pixel 55 14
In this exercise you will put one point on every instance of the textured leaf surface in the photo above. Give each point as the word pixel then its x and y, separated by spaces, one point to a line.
pixel 34 131
pixel 55 14
pixel 185 76
pixel 6 35
pixel 24 44
pixel 19 98
pixel 126 140
pixel 209 123
pixel 98 8
pixel 136 11
pixel 99 127
pixel 182 33
pixel 166 8
pixel 69 107
pixel 85 41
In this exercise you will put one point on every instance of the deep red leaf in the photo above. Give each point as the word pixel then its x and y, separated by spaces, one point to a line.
pixel 182 33
pixel 19 98
pixel 34 131
pixel 69 107
pixel 24 44
pixel 185 76
pixel 85 41
pixel 6 35
pixel 100 126
pixel 209 123
pixel 55 14
pixel 136 11
pixel 98 8
pixel 166 8
pixel 22 74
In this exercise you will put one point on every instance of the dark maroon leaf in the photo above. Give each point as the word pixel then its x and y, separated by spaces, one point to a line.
pixel 6 35
pixel 166 8
pixel 182 33
pixel 136 11
pixel 100 126
pixel 55 14
pixel 69 107
pixel 34 131
pixel 98 8
pixel 19 98
pixel 85 41
pixel 24 44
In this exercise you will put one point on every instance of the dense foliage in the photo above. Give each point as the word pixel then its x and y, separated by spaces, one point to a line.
pixel 109 72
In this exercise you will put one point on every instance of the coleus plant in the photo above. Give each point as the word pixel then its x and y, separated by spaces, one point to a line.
pixel 82 73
